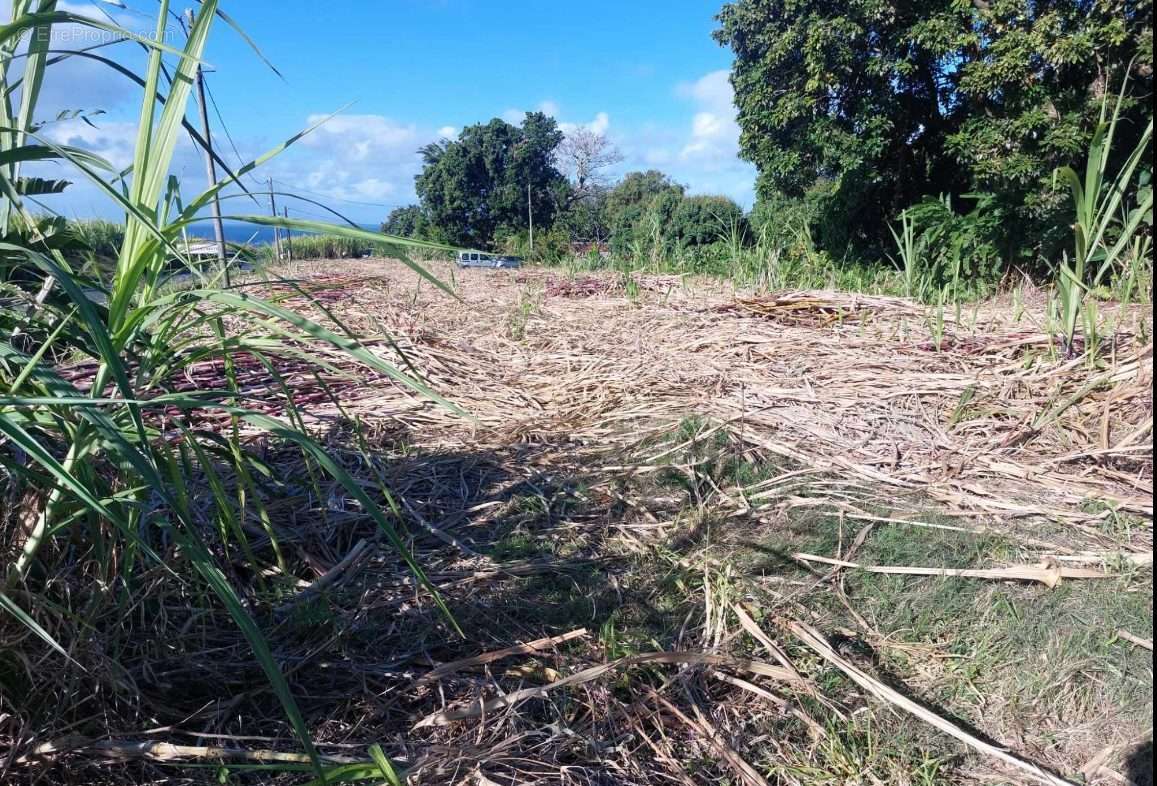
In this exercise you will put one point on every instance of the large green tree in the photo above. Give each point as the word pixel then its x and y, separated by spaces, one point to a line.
pixel 703 220
pixel 649 208
pixel 863 107
pixel 639 204
pixel 479 185
pixel 408 221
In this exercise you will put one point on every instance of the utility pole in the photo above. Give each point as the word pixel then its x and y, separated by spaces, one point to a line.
pixel 530 217
pixel 276 230
pixel 210 170
pixel 288 237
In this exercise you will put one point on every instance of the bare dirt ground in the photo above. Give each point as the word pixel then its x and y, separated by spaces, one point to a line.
pixel 635 526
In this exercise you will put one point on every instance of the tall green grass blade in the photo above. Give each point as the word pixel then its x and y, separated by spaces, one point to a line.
pixel 385 766
pixel 24 619
pixel 213 576
pixel 117 470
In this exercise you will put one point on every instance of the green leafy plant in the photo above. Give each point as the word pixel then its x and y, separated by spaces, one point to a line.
pixel 529 304
pixel 910 249
pixel 1104 229
pixel 936 322
pixel 631 289
pixel 941 250
pixel 1137 281
pixel 110 456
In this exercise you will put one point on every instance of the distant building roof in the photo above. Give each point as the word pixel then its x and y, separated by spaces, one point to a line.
pixel 198 248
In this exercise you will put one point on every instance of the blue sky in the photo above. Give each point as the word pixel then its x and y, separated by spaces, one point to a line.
pixel 645 73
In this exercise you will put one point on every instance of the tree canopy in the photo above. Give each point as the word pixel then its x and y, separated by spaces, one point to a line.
pixel 866 106
pixel 702 220
pixel 408 221
pixel 640 196
pixel 585 155
pixel 479 185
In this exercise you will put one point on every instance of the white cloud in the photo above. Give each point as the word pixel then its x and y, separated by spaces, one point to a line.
pixel 712 91
pixel 112 141
pixel 362 137
pixel 599 125
pixel 361 158
pixel 703 154
pixel 367 158
pixel 549 107
pixel 374 188
pixel 714 139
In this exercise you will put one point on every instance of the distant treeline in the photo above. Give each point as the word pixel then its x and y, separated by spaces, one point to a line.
pixel 949 118
pixel 487 188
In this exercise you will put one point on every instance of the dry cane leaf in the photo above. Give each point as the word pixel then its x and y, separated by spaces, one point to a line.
pixel 528 648
pixel 811 637
pixel 1047 573
pixel 586 675
pixel 747 774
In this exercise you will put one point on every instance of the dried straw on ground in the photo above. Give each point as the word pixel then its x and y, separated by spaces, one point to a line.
pixel 584 385
pixel 994 424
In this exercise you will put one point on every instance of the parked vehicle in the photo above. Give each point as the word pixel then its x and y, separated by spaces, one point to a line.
pixel 482 259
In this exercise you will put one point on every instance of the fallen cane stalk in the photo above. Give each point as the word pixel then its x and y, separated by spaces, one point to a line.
pixel 528 648
pixel 586 675
pixel 1049 574
pixel 152 750
pixel 774 649
pixel 1137 640
pixel 812 638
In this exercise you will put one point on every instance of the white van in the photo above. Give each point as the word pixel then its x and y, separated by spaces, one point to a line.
pixel 482 259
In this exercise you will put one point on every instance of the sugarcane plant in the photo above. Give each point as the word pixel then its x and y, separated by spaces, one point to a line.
pixel 910 247
pixel 101 454
pixel 1105 227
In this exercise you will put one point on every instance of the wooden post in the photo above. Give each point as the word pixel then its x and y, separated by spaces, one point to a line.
pixel 288 237
pixel 530 217
pixel 276 230
pixel 210 169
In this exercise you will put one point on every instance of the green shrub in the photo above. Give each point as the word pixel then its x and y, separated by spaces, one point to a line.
pixel 957 251
pixel 101 238
pixel 1113 207
pixel 705 220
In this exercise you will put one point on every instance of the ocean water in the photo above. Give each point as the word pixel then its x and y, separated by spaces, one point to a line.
pixel 237 232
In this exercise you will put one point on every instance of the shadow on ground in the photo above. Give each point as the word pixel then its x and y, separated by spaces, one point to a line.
pixel 521 543
pixel 1139 765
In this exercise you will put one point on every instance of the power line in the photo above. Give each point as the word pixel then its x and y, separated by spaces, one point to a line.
pixel 315 214
pixel 289 186
pixel 221 121
pixel 340 199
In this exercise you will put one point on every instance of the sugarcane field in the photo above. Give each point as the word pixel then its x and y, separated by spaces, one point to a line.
pixel 772 408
